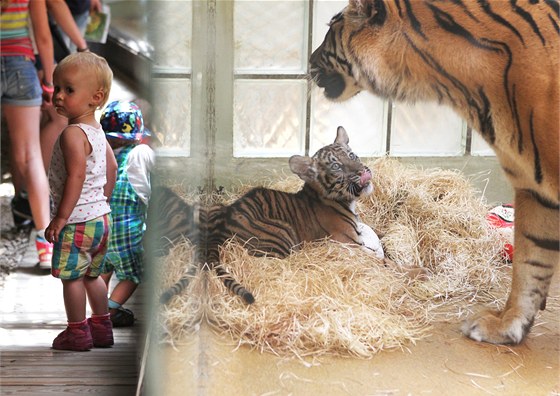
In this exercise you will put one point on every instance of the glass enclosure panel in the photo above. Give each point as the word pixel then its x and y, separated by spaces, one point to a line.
pixel 479 145
pixel 171 27
pixel 426 129
pixel 172 114
pixel 363 117
pixel 269 117
pixel 323 11
pixel 270 36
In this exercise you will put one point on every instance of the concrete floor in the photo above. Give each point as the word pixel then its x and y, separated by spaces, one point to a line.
pixel 446 363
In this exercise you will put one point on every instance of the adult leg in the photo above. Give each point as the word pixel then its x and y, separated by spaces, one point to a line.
pixel 23 125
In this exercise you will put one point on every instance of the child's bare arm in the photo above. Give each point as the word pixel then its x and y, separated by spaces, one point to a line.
pixel 75 148
pixel 111 173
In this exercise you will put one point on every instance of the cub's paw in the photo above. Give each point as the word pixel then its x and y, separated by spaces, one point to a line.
pixel 370 240
pixel 496 328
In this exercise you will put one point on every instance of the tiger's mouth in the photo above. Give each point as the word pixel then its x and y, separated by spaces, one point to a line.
pixel 333 83
pixel 363 186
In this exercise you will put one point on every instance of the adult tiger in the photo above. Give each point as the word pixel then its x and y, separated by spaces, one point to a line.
pixel 273 222
pixel 496 64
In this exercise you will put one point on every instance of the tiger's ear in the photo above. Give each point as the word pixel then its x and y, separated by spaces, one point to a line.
pixel 341 136
pixel 303 167
pixel 374 10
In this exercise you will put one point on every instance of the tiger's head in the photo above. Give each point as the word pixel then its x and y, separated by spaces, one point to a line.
pixel 334 172
pixel 335 64
pixel 407 51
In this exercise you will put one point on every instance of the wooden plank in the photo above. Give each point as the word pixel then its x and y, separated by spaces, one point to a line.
pixel 111 369
pixel 84 359
pixel 100 381
pixel 122 390
pixel 90 356
pixel 115 350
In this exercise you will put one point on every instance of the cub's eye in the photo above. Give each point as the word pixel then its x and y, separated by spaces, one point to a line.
pixel 336 166
pixel 353 156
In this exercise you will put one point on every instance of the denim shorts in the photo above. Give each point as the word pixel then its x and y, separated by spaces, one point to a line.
pixel 20 84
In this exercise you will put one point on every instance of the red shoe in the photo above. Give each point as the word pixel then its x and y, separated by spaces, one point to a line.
pixel 76 337
pixel 101 330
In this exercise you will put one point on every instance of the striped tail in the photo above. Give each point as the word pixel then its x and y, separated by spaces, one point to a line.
pixel 232 285
pixel 178 287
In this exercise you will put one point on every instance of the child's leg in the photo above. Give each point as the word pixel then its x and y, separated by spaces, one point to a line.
pixel 122 317
pixel 100 321
pixel 97 295
pixel 123 290
pixel 77 335
pixel 107 278
pixel 74 294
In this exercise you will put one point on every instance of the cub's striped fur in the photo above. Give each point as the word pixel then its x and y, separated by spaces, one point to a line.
pixel 496 64
pixel 273 222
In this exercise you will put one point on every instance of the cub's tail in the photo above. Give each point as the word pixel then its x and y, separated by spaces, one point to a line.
pixel 230 283
pixel 234 286
pixel 178 287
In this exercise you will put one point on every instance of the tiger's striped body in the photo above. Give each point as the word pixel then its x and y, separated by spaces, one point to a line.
pixel 273 222
pixel 496 64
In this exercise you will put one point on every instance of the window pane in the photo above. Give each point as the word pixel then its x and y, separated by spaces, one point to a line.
pixel 426 129
pixel 479 145
pixel 171 103
pixel 324 10
pixel 171 29
pixel 270 36
pixel 363 117
pixel 269 118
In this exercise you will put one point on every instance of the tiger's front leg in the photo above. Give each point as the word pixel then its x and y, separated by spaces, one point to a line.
pixel 535 261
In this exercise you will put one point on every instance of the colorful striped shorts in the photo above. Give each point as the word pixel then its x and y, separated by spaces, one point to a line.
pixel 81 249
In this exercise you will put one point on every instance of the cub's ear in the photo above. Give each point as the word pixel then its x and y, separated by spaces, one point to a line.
pixel 374 10
pixel 342 136
pixel 303 167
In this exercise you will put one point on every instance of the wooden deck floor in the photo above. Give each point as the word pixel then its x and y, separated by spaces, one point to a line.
pixel 32 314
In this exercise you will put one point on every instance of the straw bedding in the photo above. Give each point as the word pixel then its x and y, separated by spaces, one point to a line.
pixel 335 299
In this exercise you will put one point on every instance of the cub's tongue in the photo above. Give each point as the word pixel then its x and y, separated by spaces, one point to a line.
pixel 365 177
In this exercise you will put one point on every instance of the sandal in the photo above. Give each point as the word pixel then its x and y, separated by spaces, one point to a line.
pixel 122 318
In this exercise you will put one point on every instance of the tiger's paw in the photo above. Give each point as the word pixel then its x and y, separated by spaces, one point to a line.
pixel 490 326
pixel 370 240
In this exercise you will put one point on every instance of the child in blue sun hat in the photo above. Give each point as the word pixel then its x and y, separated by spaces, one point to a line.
pixel 124 129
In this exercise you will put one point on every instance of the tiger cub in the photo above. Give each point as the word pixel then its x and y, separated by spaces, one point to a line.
pixel 273 222
pixel 496 63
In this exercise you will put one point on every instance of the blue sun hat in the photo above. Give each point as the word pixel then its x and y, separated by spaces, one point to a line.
pixel 123 120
